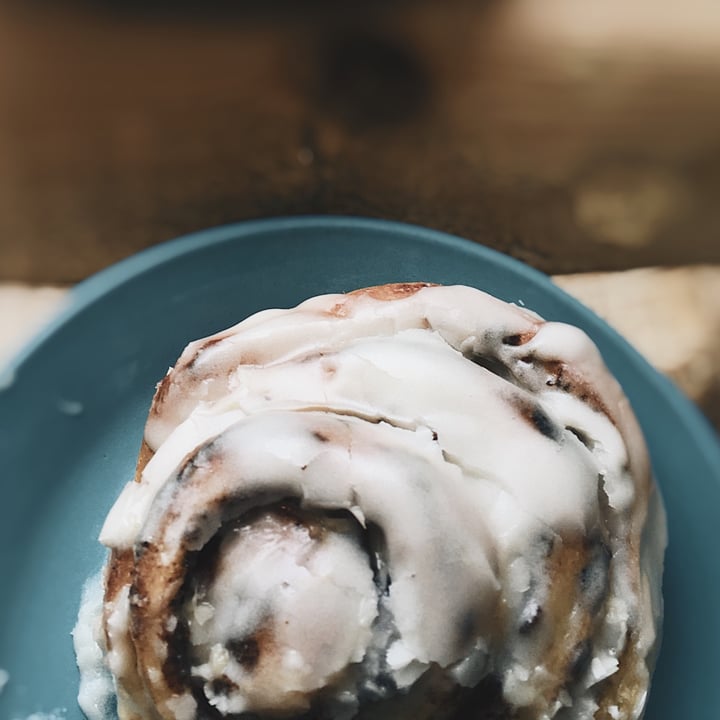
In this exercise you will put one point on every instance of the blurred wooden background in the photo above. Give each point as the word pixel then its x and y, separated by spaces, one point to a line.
pixel 573 134
pixel 581 136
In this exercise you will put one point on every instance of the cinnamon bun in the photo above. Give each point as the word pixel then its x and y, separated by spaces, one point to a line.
pixel 409 501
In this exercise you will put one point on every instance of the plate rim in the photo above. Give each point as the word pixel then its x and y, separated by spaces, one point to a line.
pixel 88 291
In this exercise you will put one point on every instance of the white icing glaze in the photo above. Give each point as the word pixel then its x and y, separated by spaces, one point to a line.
pixel 269 570
pixel 467 429
pixel 96 685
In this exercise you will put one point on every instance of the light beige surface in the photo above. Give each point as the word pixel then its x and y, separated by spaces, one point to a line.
pixel 672 316
pixel 23 311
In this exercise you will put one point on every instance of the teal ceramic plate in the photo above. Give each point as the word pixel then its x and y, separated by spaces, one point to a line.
pixel 71 422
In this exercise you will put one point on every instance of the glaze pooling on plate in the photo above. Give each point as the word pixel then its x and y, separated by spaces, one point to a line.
pixel 463 479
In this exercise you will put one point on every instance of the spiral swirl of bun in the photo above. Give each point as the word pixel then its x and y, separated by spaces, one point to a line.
pixel 410 501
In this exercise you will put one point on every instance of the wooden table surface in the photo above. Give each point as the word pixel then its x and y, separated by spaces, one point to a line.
pixel 582 138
